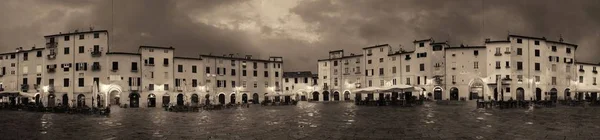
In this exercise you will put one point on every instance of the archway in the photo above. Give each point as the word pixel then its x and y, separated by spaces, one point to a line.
pixel 370 97
pixel 437 93
pixel 207 99
pixel 303 96
pixel 538 94
pixel 255 98
pixel 277 98
pixel 134 100
pixel 347 95
pixel 567 94
pixel 358 97
pixel 151 100
pixel 98 101
pixel 287 99
pixel 520 94
pixel 476 89
pixel 325 95
pixel 166 100
pixel 594 96
pixel 115 97
pixel 180 99
pixel 195 99
pixel 81 100
pixel 222 98
pixel 315 96
pixel 381 96
pixel 232 99
pixel 336 96
pixel 266 98
pixel 51 100
pixel 65 100
pixel 244 98
pixel 496 94
pixel 553 95
pixel 37 99
pixel 453 93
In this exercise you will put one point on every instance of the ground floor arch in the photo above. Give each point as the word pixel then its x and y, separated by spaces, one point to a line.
pixel 244 98
pixel 232 98
pixel 51 100
pixel 166 100
pixel 65 100
pixel 255 98
pixel 336 96
pixel 207 99
pixel 454 93
pixel 346 95
pixel 496 94
pixel 222 98
pixel 195 99
pixel 151 100
pixel 325 95
pixel 554 94
pixel 520 94
pixel 476 89
pixel 134 100
pixel 180 99
pixel 38 100
pixel 80 100
pixel 437 93
pixel 315 96
pixel 567 94
pixel 114 97
pixel 538 94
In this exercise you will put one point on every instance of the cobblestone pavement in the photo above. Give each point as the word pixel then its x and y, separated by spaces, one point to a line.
pixel 311 121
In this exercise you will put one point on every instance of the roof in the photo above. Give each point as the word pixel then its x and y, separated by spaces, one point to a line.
pixel 238 58
pixel 498 41
pixel 376 46
pixel 544 38
pixel 562 43
pixel 73 33
pixel 435 43
pixel 400 53
pixel 189 58
pixel 297 74
pixel 158 47
pixel 336 51
pixel 466 47
pixel 343 57
pixel 587 63
pixel 125 53
pixel 416 41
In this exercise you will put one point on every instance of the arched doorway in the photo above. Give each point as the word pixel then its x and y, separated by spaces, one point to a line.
pixel 98 101
pixel 151 100
pixel 287 99
pixel 437 93
pixel 81 100
pixel 207 99
pixel 232 99
pixel 115 98
pixel 134 100
pixel 266 98
pixel 476 89
pixel 347 96
pixel 255 98
pixel 370 97
pixel 277 98
pixel 222 98
pixel 166 100
pixel 520 94
pixel 37 99
pixel 496 94
pixel 180 99
pixel 195 99
pixel 336 96
pixel 453 93
pixel 65 100
pixel 553 95
pixel 567 94
pixel 51 100
pixel 244 98
pixel 315 96
pixel 538 94
pixel 325 95
pixel 381 96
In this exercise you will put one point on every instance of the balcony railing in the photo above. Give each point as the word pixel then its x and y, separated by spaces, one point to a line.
pixel 51 70
pixel 51 56
pixel 581 70
pixel 595 72
pixel 407 58
pixel 51 89
pixel 51 44
pixel 369 54
pixel 179 89
pixel 498 54
pixel 24 87
pixel 95 67
pixel 134 70
pixel 325 87
pixel 134 88
pixel 96 53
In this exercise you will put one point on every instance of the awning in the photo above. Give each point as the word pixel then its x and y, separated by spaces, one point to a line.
pixel 586 89
pixel 285 94
pixel 26 94
pixel 394 88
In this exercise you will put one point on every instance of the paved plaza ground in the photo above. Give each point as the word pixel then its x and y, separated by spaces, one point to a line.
pixel 311 121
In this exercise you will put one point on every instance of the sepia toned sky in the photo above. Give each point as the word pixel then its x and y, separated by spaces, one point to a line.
pixel 301 31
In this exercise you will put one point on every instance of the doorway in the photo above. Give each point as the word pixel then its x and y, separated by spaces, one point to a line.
pixel 134 100
pixel 151 100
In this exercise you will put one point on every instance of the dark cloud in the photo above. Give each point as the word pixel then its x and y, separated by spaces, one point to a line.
pixel 348 25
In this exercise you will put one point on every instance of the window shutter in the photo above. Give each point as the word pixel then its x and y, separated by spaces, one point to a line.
pixel 130 81
pixel 139 80
pixel 85 66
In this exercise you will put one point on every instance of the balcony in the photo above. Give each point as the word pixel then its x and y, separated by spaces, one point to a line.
pixel 453 82
pixel 498 54
pixel 369 54
pixel 581 70
pixel 179 89
pixel 51 44
pixel 507 52
pixel 134 88
pixel 114 70
pixel 24 87
pixel 95 67
pixel 407 58
pixel 594 71
pixel 51 56
pixel 325 87
pixel 51 89
pixel 96 53
pixel 148 64
pixel 51 70
pixel 134 70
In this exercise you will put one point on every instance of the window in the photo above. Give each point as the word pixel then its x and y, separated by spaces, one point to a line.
pixel 554 48
pixel 520 78
pixel 394 70
pixel 536 42
pixel 553 80
pixel 254 65
pixel 594 81
pixel 476 52
pixel 166 86
pixel 276 74
pixel 266 66
pixel 370 83
pixel 266 74
pixel 407 68
pixel 568 50
pixel 393 58
pixel 553 67
pixel 194 69
pixel 418 80
pixel 151 61
pixel 497 64
pixel 335 82
pixel 537 66
pixel 407 81
pixel 380 60
pixel 81 49
pixel 232 62
pixel 498 50
pixel 115 65
pixel 96 48
pixel 357 60
pixel 194 83
pixel 179 68
pixel 421 44
pixel 207 70
pixel 519 41
pixel 25 56
pixel 80 82
pixel 335 63
pixel 96 35
pixel 67 38
pixel 151 87
pixel 166 61
pixel 369 61
pixel 255 73
pixel 422 67
pixel 81 37
pixel 255 84
pixel 232 83
pixel 537 53
pixel 381 71
pixel 393 81
pixel 380 49
pixel 243 72
pixel 39 54
pixel 453 78
pixel 568 68
pixel 381 83
pixel 232 72
pixel 475 65
pixel 519 51
pixel 519 65
pixel 305 80
pixel 537 78
pixel 66 82
pixel 66 50
pixel 580 79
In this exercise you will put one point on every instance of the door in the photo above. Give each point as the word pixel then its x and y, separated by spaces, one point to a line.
pixel 134 100
pixel 81 100
pixel 232 99
pixel 255 98
pixel 538 94
pixel 288 99
pixel 51 100
pixel 326 96
pixel 195 99
pixel 244 98
pixel 166 100
pixel 437 95
pixel 454 93
pixel 336 96
pixel 315 96
pixel 179 99
pixel 520 94
pixel 151 100
pixel 222 98
pixel 65 100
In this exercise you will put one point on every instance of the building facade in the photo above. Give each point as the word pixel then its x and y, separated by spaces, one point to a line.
pixel 300 84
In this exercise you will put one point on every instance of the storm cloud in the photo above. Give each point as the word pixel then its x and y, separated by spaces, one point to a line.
pixel 301 31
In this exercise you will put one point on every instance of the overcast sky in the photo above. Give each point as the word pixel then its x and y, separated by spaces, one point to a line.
pixel 301 31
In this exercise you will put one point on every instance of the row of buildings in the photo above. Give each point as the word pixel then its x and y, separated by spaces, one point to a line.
pixel 518 68
pixel 64 71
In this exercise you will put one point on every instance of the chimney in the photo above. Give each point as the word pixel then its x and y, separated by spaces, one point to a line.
pixel 487 40
pixel 248 56
pixel 231 55
pixel 351 54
